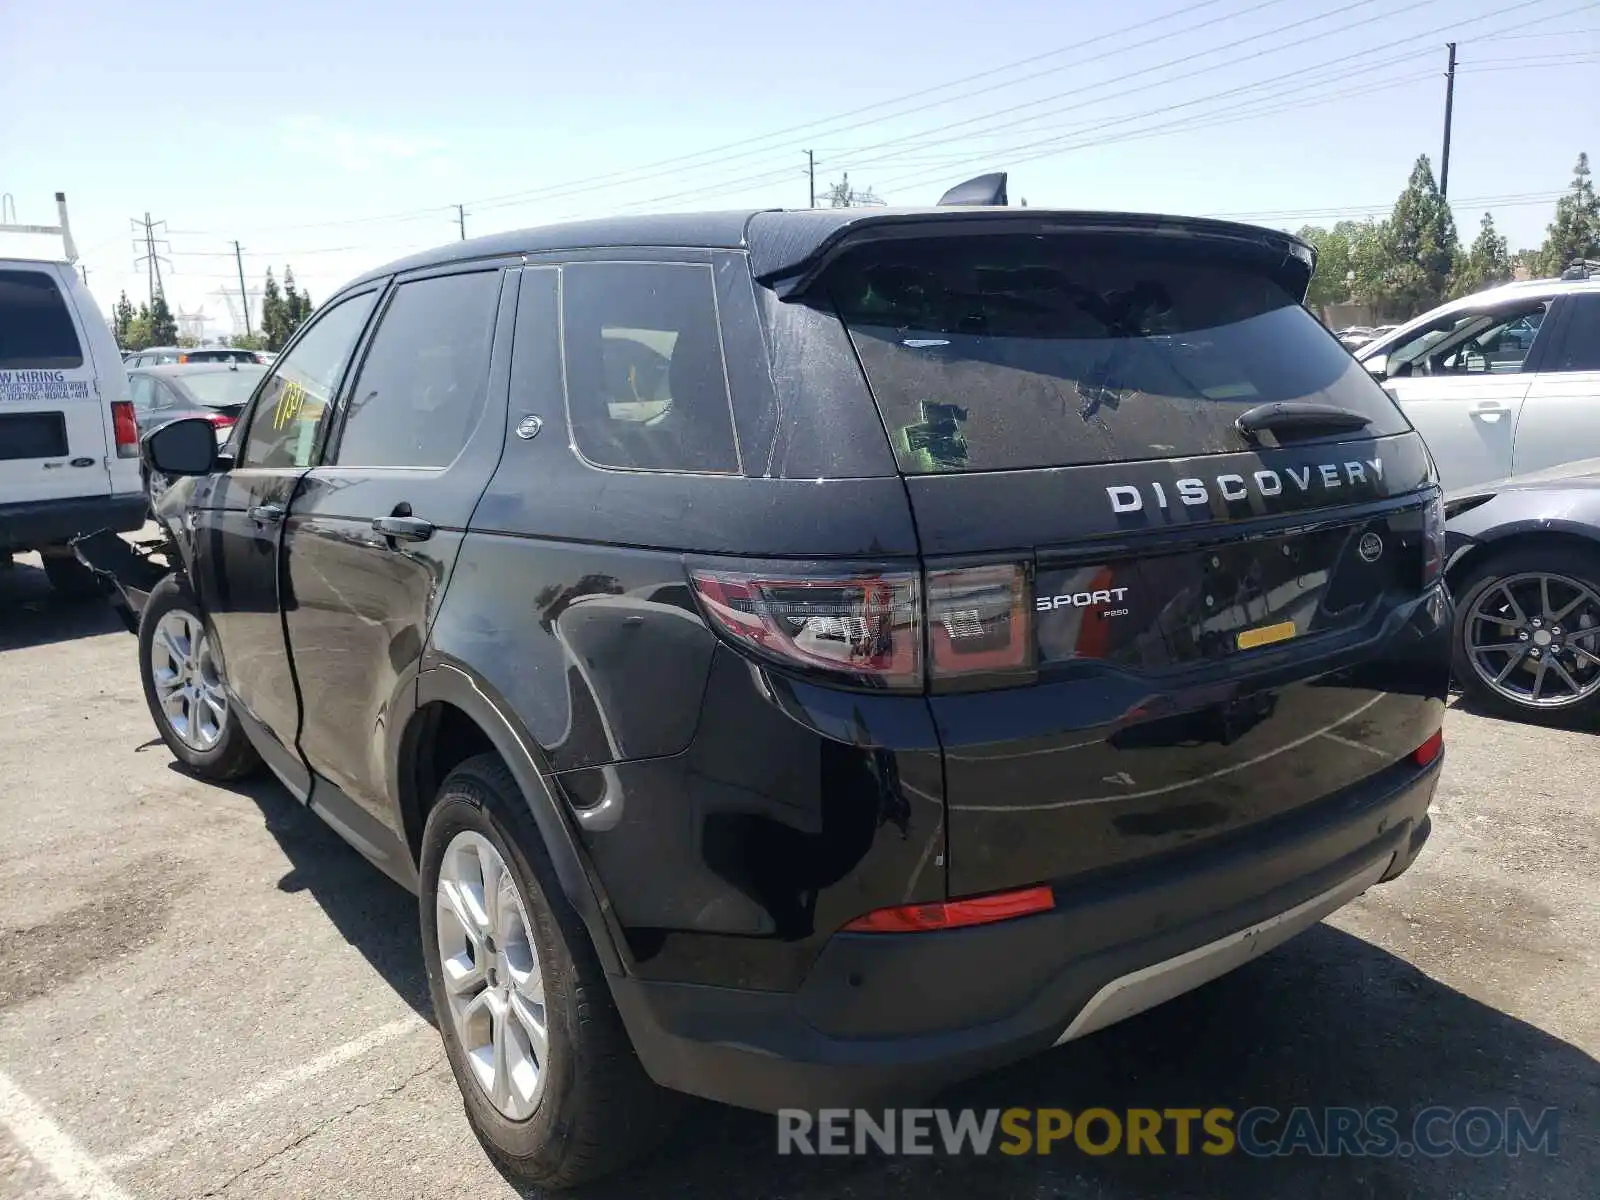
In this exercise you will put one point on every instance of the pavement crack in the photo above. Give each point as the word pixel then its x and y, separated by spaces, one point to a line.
pixel 386 1094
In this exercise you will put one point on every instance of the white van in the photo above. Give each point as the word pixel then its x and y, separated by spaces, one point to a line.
pixel 69 444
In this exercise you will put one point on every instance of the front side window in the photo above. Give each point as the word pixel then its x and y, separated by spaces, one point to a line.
pixel 36 330
pixel 647 386
pixel 1492 342
pixel 423 384
pixel 294 402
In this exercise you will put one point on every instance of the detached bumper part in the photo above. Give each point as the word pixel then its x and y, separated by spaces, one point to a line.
pixel 892 1018
pixel 129 574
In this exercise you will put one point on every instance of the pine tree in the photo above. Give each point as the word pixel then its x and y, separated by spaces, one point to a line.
pixel 122 320
pixel 163 326
pixel 1575 233
pixel 1486 264
pixel 275 327
pixel 1330 284
pixel 1420 242
pixel 296 304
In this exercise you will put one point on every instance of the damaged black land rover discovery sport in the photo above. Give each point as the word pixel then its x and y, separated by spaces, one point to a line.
pixel 809 658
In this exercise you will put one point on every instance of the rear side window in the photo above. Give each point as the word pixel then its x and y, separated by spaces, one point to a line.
pixel 647 386
pixel 1001 351
pixel 422 386
pixel 36 332
pixel 1580 346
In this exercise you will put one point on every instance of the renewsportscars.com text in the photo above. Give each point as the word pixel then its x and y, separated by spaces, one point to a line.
pixel 1258 1132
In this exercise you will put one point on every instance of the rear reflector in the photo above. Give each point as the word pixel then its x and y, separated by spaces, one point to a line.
pixel 125 428
pixel 1429 750
pixel 955 914
pixel 863 626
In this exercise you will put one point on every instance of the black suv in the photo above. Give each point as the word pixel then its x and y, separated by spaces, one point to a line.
pixel 807 658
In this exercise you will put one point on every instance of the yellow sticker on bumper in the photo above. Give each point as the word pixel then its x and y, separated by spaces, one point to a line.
pixel 1266 635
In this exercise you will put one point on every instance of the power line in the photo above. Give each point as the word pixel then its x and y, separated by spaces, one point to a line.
pixel 1427 35
pixel 675 164
pixel 920 139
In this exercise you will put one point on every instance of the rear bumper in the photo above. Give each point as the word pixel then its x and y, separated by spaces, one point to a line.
pixel 877 1019
pixel 38 523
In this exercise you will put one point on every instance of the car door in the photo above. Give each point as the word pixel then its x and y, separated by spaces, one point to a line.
pixel 373 532
pixel 238 523
pixel 1560 420
pixel 1461 381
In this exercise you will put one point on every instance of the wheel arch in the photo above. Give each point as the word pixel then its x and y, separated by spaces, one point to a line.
pixel 457 715
pixel 1521 535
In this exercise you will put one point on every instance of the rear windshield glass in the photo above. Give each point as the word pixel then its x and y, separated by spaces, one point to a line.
pixel 36 330
pixel 222 389
pixel 1003 351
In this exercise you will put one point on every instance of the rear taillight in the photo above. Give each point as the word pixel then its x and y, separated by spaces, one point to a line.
pixel 980 625
pixel 125 429
pixel 872 628
pixel 1433 541
pixel 863 626
pixel 955 914
pixel 1429 750
pixel 220 420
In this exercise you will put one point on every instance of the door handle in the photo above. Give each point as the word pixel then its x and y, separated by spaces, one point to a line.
pixel 404 529
pixel 267 514
pixel 1490 411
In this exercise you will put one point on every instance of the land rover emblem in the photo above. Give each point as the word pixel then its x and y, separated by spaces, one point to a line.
pixel 1371 547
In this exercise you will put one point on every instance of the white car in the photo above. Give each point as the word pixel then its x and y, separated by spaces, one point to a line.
pixel 1503 382
pixel 69 441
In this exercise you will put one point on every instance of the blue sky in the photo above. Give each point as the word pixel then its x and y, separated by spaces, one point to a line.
pixel 335 136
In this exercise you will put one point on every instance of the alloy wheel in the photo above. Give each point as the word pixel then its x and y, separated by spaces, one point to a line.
pixel 187 681
pixel 1534 638
pixel 492 979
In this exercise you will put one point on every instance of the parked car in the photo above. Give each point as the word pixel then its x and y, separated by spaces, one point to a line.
pixel 737 627
pixel 216 391
pixel 1502 383
pixel 68 438
pixel 1355 336
pixel 157 356
pixel 1524 563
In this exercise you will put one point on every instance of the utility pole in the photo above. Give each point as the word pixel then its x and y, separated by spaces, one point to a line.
pixel 811 170
pixel 244 297
pixel 1449 103
pixel 461 221
pixel 151 258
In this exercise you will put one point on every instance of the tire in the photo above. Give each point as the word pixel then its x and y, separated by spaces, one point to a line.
pixel 595 1110
pixel 230 755
pixel 1577 564
pixel 69 577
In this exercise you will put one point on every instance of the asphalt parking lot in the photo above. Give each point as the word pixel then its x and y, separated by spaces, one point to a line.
pixel 203 992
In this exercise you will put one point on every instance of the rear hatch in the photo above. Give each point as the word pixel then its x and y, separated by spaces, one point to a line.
pixel 52 417
pixel 1209 513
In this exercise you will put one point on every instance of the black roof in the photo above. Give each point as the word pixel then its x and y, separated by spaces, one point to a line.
pixel 784 243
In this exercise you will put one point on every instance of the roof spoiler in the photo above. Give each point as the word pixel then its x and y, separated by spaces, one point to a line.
pixel 64 229
pixel 984 191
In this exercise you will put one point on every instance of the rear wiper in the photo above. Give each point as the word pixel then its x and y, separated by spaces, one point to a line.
pixel 1295 418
